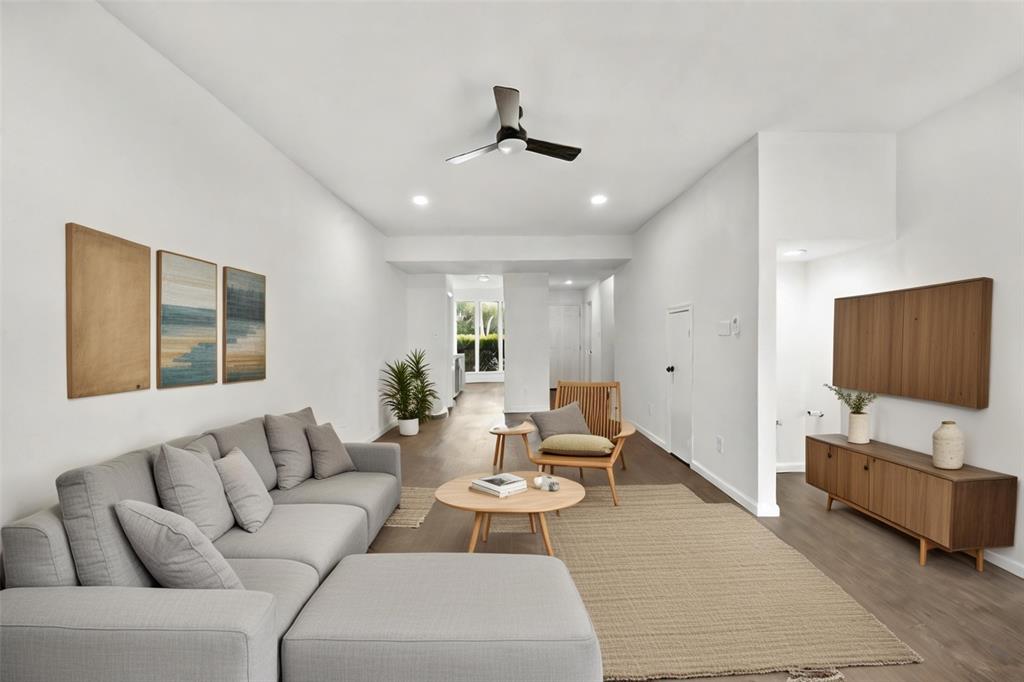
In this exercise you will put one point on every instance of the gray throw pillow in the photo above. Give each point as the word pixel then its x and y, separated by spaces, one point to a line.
pixel 568 419
pixel 329 454
pixel 188 484
pixel 174 550
pixel 248 498
pixel 289 448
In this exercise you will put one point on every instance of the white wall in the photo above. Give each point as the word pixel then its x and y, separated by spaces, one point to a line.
pixel 701 249
pixel 428 327
pixel 99 129
pixel 794 355
pixel 961 210
pixel 601 297
pixel 565 296
pixel 526 348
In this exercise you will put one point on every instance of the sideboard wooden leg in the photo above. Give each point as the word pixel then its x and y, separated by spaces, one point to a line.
pixel 922 553
pixel 979 559
pixel 828 505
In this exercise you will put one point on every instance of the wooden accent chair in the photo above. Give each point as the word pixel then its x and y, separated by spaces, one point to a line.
pixel 601 404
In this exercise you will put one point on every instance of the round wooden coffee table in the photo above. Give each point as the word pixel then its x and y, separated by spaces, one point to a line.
pixel 534 503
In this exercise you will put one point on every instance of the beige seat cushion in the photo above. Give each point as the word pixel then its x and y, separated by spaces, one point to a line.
pixel 581 445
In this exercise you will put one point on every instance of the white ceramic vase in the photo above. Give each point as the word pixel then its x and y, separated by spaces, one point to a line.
pixel 948 446
pixel 858 431
pixel 408 427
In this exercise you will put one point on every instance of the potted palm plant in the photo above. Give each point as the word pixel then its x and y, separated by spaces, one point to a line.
pixel 857 402
pixel 407 391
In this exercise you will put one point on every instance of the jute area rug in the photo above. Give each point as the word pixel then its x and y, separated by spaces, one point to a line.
pixel 416 504
pixel 678 588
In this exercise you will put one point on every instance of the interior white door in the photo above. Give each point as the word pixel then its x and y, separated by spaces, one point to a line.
pixel 564 330
pixel 680 376
pixel 588 341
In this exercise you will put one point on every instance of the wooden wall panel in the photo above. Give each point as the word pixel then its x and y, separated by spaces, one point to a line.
pixel 867 342
pixel 930 343
pixel 108 313
pixel 946 333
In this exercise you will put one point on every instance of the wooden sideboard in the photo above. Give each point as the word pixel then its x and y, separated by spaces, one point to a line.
pixel 961 510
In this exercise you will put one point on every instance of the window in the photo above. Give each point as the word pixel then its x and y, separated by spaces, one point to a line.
pixel 465 332
pixel 478 335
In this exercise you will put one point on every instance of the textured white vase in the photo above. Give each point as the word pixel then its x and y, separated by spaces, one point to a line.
pixel 408 427
pixel 858 431
pixel 948 446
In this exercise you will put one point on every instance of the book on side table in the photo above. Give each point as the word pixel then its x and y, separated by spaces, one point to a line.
pixel 500 485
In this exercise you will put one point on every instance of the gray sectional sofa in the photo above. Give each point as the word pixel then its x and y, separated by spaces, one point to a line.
pixel 79 605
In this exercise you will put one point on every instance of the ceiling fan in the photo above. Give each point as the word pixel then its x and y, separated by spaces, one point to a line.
pixel 511 137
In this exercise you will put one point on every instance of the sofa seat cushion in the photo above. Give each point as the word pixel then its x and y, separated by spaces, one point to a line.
pixel 444 617
pixel 577 444
pixel 319 535
pixel 290 582
pixel 377 494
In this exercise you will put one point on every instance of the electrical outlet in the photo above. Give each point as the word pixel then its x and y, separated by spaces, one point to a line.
pixel 720 445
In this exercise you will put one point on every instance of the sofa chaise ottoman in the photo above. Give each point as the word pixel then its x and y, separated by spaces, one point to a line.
pixel 443 618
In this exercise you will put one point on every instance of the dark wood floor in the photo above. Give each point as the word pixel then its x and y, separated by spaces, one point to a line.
pixel 966 625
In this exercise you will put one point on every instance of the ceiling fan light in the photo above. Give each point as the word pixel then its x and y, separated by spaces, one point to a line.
pixel 511 145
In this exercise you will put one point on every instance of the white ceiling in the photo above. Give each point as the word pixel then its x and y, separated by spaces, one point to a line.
pixel 371 97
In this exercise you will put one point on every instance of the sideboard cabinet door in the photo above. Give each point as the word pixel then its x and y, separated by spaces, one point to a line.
pixel 889 491
pixel 854 477
pixel 929 506
pixel 820 467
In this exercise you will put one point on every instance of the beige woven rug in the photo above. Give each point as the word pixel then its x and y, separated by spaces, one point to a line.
pixel 678 588
pixel 416 504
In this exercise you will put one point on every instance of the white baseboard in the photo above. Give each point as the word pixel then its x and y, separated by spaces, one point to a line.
pixel 384 430
pixel 1004 562
pixel 517 409
pixel 650 435
pixel 787 467
pixel 745 501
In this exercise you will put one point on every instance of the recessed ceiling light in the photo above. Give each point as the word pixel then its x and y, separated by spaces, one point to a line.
pixel 484 278
pixel 568 282
pixel 794 252
pixel 421 200
pixel 598 199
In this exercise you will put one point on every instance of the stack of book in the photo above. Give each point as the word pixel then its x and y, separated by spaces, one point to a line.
pixel 500 485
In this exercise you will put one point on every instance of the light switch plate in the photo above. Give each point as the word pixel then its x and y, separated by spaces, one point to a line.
pixel 725 328
pixel 734 325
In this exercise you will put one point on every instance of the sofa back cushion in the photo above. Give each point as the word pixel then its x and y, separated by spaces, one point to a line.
pixel 36 552
pixel 102 553
pixel 189 485
pixel 251 438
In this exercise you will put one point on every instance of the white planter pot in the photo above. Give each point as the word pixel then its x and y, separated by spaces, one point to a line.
pixel 408 427
pixel 858 431
pixel 948 446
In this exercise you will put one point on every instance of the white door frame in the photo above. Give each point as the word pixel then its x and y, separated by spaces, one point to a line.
pixel 587 322
pixel 682 307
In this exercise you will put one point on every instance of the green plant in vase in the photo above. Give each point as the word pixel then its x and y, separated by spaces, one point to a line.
pixel 857 402
pixel 407 391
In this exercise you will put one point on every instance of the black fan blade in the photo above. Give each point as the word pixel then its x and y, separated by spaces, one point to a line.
pixel 462 158
pixel 507 100
pixel 556 151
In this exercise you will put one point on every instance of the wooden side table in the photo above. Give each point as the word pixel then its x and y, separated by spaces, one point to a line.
pixel 501 432
pixel 533 503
